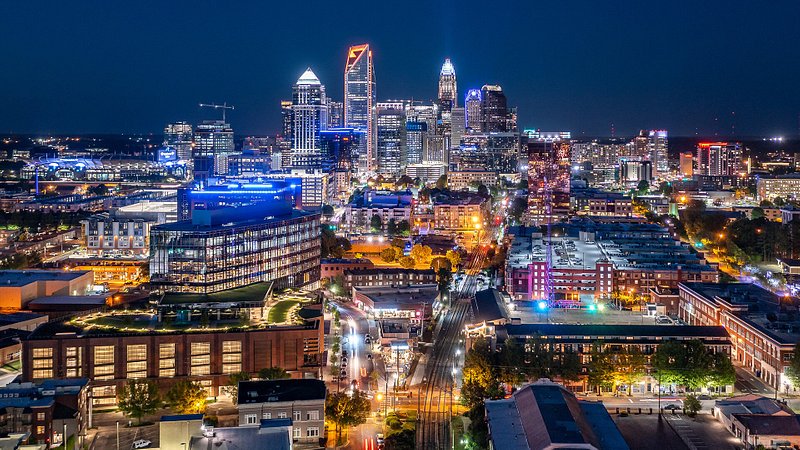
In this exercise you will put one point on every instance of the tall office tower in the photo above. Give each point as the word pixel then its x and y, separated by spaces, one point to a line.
pixel 497 152
pixel 686 164
pixel 310 116
pixel 447 86
pixel 719 158
pixel 457 126
pixel 336 147
pixel 179 135
pixel 548 167
pixel 420 125
pixel 359 99
pixel 658 143
pixel 213 141
pixel 511 120
pixel 335 114
pixel 472 106
pixel 286 117
pixel 390 136
pixel 494 109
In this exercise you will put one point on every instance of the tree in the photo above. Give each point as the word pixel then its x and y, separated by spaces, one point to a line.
pixel 643 187
pixel 404 440
pixel 346 410
pixel 454 257
pixel 601 367
pixel 391 227
pixel 138 398
pixel 444 276
pixel 690 364
pixel 388 255
pixel 793 371
pixel 404 181
pixel 517 208
pixel 376 223
pixel 187 397
pixel 399 243
pixel 441 183
pixel 273 373
pixel 757 213
pixel 440 262
pixel 421 253
pixel 100 190
pixel 406 262
pixel 404 228
pixel 232 388
pixel 327 210
pixel 629 367
pixel 483 191
pixel 479 377
pixel 692 405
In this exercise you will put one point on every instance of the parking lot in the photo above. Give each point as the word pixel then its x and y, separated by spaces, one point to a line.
pixel 107 438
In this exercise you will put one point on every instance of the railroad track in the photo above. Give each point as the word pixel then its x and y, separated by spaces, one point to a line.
pixel 433 431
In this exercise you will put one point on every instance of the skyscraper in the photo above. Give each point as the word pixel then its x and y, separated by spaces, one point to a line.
pixel 472 106
pixel 335 114
pixel 213 144
pixel 494 109
pixel 179 135
pixel 719 158
pixel 447 86
pixel 309 117
pixel 658 143
pixel 359 99
pixel 420 122
pixel 390 136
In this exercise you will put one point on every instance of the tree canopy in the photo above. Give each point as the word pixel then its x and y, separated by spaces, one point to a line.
pixel 692 365
pixel 137 398
pixel 187 397
pixel 346 410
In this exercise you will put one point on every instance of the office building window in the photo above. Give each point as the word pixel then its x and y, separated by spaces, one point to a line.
pixel 297 433
pixel 312 415
pixel 104 362
pixel 312 432
pixel 251 419
pixel 201 358
pixel 296 416
pixel 137 361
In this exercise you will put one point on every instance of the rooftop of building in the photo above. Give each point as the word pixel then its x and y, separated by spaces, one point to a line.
pixel 543 413
pixel 23 277
pixel 582 244
pixel 390 271
pixel 486 306
pixel 776 316
pixel 606 332
pixel 389 297
pixel 256 292
pixel 769 425
pixel 346 261
pixel 17 317
pixel 271 433
pixel 76 300
pixel 149 206
pixel 286 390
pixel 189 225
pixel 751 404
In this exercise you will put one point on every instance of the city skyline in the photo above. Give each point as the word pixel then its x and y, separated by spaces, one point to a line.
pixel 616 65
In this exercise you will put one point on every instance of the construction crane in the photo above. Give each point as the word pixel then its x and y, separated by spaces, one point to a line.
pixel 223 107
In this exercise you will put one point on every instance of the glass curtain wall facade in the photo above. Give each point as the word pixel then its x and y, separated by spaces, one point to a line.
pixel 359 98
pixel 390 137
pixel 284 250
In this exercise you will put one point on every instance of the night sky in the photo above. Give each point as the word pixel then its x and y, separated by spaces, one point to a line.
pixel 108 66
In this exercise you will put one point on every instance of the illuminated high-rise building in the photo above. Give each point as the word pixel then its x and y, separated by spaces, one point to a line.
pixel 335 114
pixel 658 142
pixel 447 86
pixel 686 164
pixel 420 123
pixel 494 109
pixel 719 158
pixel 472 107
pixel 359 99
pixel 309 117
pixel 390 136
pixel 179 135
pixel 286 117
pixel 213 141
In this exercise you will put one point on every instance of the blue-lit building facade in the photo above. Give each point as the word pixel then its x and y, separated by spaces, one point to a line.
pixel 232 240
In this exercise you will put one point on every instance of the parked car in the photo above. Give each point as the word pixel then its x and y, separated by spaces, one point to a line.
pixel 672 407
pixel 141 443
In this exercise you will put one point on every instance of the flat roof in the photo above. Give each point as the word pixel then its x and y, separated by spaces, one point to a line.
pixel 624 331
pixel 188 225
pixel 251 293
pixel 150 206
pixel 17 317
pixel 286 390
pixel 24 277
pixel 762 309
pixel 487 305
pixel 399 296
pixel 91 300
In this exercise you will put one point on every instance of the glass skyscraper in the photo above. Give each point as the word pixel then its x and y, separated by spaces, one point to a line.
pixel 447 86
pixel 213 144
pixel 359 99
pixel 309 117
pixel 390 136
pixel 179 135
